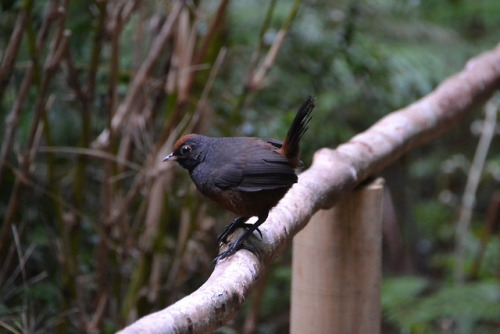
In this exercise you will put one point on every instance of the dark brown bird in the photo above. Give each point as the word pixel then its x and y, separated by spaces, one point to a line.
pixel 245 175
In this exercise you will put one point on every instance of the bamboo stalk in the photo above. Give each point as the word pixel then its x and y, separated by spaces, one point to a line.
pixel 10 53
pixel 136 87
pixel 260 65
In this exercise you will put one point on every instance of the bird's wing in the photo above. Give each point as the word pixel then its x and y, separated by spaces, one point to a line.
pixel 276 143
pixel 257 167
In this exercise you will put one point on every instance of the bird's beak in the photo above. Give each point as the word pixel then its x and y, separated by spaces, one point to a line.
pixel 170 157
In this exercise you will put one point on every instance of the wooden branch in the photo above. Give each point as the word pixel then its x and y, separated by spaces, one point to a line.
pixel 333 174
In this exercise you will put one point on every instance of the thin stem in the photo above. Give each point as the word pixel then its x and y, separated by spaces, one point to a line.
pixel 469 196
pixel 255 79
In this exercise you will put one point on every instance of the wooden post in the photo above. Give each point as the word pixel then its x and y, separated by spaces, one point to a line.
pixel 337 267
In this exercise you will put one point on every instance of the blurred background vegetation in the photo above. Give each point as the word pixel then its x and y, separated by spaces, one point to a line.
pixel 96 231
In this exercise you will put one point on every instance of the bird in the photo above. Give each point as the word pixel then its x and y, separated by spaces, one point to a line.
pixel 245 175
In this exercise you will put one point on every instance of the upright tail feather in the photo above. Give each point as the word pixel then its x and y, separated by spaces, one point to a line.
pixel 290 146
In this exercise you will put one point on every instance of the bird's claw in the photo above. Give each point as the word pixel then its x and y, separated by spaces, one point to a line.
pixel 236 247
pixel 239 243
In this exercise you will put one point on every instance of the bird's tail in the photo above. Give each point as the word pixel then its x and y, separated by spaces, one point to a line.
pixel 290 146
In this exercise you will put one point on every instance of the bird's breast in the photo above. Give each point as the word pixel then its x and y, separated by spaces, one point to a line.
pixel 202 178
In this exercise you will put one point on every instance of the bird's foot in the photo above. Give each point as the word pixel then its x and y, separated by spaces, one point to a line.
pixel 237 223
pixel 236 247
pixel 239 243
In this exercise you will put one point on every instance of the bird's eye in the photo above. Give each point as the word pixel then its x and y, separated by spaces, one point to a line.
pixel 185 150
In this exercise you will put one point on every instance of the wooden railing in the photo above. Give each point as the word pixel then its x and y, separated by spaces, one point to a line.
pixel 332 176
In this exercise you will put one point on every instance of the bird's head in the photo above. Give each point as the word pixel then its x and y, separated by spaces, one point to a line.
pixel 188 151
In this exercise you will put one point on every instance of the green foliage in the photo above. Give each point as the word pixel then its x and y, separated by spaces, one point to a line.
pixel 407 304
pixel 433 218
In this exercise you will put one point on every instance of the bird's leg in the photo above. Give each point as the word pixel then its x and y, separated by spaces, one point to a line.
pixel 238 244
pixel 233 226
